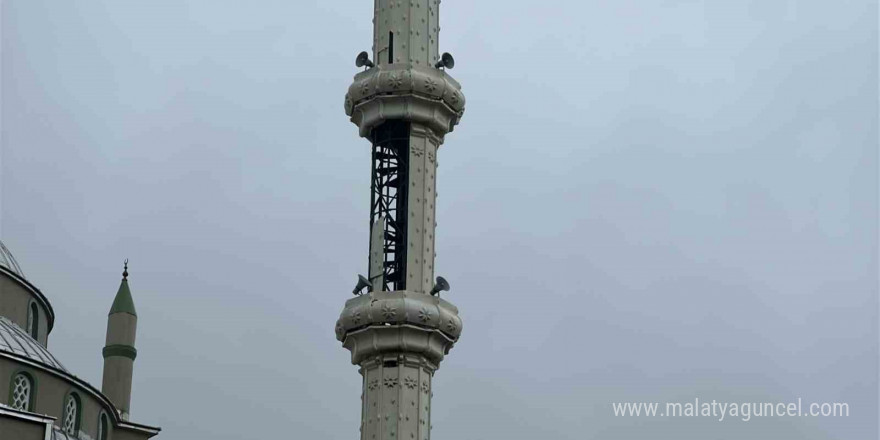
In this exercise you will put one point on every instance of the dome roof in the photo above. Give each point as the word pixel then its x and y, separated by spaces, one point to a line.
pixel 13 339
pixel 8 261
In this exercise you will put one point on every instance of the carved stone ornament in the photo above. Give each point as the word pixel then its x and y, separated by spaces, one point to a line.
pixel 424 315
pixel 388 312
pixel 395 81
pixel 410 383
pixel 390 382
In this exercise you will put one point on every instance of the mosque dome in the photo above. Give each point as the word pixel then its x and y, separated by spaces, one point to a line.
pixel 13 339
pixel 8 261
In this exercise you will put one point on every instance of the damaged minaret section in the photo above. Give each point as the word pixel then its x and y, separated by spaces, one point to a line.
pixel 404 103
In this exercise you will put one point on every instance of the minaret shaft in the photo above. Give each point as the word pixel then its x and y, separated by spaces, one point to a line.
pixel 397 332
pixel 396 398
pixel 119 354
pixel 406 32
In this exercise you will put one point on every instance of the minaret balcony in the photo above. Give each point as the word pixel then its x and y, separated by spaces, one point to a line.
pixel 425 95
pixel 398 322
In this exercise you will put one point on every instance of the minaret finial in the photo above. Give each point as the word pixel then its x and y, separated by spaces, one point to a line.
pixel 125 269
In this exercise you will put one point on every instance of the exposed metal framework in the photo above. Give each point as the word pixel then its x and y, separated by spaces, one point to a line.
pixel 389 197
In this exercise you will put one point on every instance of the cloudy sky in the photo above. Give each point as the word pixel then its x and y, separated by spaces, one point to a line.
pixel 646 200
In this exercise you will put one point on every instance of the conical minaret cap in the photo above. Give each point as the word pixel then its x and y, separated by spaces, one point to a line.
pixel 123 303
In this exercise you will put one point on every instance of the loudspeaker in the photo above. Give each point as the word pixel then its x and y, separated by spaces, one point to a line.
pixel 362 282
pixel 446 61
pixel 442 284
pixel 363 59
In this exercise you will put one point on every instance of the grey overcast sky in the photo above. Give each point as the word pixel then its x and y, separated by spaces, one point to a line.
pixel 646 200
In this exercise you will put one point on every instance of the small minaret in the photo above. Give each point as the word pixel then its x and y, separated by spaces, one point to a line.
pixel 119 351
pixel 404 104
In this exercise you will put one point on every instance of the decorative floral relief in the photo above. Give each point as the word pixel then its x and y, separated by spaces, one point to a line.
pixel 389 312
pixel 410 383
pixel 356 317
pixel 425 387
pixel 395 81
pixel 431 157
pixel 454 98
pixel 390 382
pixel 418 152
pixel 374 384
pixel 430 84
pixel 365 87
pixel 450 325
pixel 425 314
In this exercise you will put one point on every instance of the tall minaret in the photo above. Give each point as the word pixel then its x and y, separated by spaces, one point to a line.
pixel 404 103
pixel 119 351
